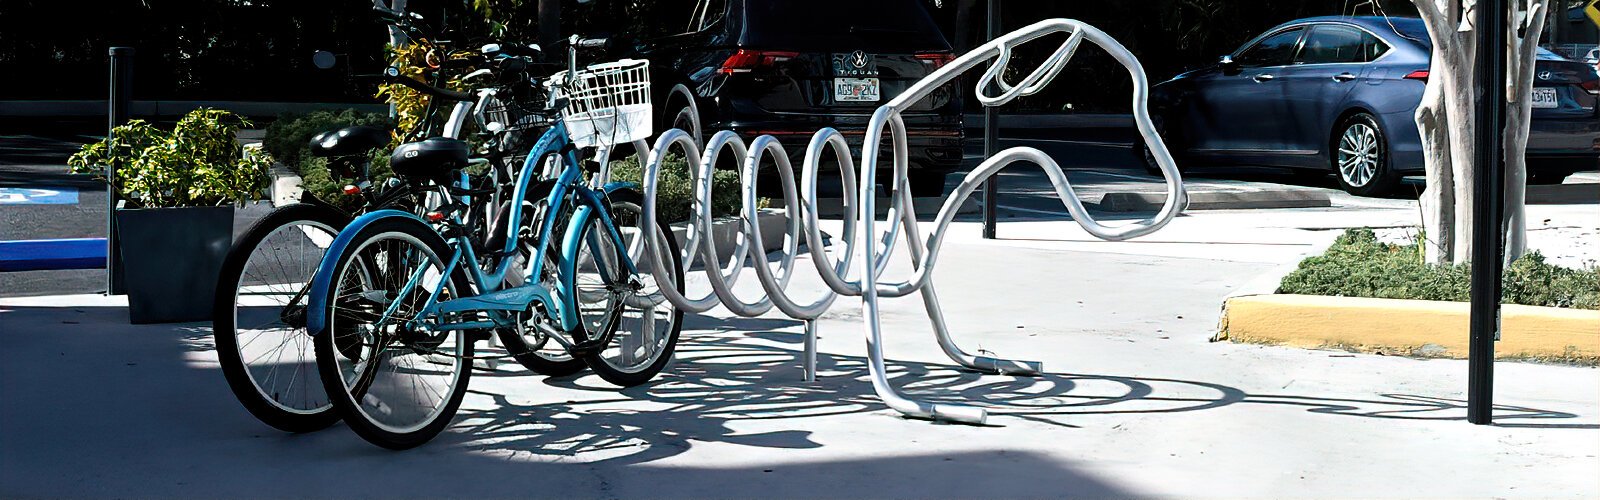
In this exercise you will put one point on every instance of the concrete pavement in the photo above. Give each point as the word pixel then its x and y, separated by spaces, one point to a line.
pixel 1137 402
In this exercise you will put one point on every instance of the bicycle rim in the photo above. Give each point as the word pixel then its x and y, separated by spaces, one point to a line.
pixel 399 378
pixel 268 317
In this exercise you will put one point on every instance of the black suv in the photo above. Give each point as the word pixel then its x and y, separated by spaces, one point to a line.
pixel 790 67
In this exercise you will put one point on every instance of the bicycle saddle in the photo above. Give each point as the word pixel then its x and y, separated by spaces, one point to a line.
pixel 433 159
pixel 348 141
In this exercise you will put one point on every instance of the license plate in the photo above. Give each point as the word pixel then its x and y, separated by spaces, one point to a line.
pixel 1545 98
pixel 855 89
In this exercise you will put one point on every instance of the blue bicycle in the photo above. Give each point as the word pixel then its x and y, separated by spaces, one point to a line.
pixel 399 299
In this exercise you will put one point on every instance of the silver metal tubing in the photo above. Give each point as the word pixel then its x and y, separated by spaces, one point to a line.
pixel 876 249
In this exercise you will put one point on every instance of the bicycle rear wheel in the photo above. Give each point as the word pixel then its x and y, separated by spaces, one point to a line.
pixel 528 344
pixel 628 310
pixel 396 382
pixel 258 318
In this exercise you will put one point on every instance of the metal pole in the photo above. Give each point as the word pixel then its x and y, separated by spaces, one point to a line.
pixel 120 94
pixel 1488 194
pixel 810 361
pixel 991 139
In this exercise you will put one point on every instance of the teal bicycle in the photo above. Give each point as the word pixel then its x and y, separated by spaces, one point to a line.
pixel 400 299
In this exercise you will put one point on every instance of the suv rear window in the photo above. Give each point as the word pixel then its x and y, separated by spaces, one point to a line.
pixel 876 25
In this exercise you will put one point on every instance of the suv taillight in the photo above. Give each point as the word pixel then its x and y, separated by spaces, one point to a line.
pixel 1420 75
pixel 745 60
pixel 1593 85
pixel 937 59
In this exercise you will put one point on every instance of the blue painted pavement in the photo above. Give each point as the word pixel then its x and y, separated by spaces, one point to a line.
pixel 38 196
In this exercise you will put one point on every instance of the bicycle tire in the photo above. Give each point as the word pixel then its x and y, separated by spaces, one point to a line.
pixel 263 402
pixel 532 355
pixel 658 358
pixel 354 407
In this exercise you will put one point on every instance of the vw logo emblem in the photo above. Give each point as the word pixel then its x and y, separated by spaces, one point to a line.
pixel 1545 75
pixel 858 59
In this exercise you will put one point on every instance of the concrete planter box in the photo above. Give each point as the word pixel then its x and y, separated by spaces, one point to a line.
pixel 170 260
pixel 724 230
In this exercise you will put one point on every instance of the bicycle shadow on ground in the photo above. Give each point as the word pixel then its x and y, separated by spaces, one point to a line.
pixel 729 371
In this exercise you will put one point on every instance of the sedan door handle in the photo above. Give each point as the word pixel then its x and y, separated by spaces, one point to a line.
pixel 1263 77
pixel 1343 77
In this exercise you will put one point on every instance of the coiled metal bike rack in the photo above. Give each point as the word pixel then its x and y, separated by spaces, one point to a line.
pixel 859 201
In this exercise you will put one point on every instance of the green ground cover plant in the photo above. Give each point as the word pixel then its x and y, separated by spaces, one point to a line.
pixel 1358 265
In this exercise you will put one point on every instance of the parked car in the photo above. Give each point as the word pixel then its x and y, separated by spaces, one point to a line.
pixel 1593 57
pixel 1340 94
pixel 790 67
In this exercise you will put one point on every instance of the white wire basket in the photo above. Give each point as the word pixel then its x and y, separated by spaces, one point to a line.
pixel 606 103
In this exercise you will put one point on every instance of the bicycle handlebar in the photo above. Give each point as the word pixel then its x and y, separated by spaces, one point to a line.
pixel 393 76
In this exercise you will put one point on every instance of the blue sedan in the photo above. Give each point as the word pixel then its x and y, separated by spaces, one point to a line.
pixel 1339 94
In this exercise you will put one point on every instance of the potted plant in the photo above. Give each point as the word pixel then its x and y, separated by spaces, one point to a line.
pixel 175 224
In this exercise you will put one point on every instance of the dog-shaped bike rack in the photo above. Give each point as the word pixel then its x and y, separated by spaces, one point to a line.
pixel 860 210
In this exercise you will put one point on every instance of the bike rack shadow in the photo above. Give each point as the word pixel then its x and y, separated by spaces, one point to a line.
pixel 733 370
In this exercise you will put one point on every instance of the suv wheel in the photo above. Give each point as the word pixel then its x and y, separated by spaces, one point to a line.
pixel 1361 157
pixel 684 119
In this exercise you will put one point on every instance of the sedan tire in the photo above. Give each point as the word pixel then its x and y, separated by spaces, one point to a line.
pixel 1360 157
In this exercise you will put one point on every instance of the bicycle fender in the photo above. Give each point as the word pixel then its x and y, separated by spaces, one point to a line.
pixel 568 294
pixel 316 301
pixel 612 187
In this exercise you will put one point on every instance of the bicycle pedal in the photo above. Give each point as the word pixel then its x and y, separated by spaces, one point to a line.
pixel 586 348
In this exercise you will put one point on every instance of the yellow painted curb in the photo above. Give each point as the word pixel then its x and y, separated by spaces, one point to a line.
pixel 1410 327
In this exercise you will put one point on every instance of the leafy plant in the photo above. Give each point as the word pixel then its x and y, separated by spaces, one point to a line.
pixel 198 163
pixel 410 106
pixel 675 188
pixel 1358 265
pixel 288 138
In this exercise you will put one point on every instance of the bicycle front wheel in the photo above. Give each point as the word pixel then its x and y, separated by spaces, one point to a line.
pixel 628 311
pixel 259 314
pixel 394 376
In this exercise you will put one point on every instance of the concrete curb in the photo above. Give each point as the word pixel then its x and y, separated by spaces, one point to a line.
pixel 1408 327
pixel 1564 194
pixel 1218 200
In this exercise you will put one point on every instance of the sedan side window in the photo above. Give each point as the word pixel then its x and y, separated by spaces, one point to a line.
pixel 1332 44
pixel 1275 50
pixel 1372 48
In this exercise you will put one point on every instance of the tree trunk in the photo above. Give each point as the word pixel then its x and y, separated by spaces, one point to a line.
pixel 1445 120
pixel 1519 110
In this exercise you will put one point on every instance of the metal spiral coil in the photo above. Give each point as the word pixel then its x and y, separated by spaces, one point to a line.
pixel 859 201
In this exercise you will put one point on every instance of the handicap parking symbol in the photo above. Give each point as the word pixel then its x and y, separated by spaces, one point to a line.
pixel 38 196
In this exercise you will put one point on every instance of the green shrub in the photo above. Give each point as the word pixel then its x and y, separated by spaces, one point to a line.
pixel 198 163
pixel 1358 265
pixel 316 178
pixel 289 137
pixel 675 188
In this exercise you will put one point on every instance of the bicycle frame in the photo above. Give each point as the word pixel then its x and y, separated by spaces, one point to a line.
pixel 487 296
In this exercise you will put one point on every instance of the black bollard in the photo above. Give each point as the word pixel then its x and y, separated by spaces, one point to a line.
pixel 121 85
